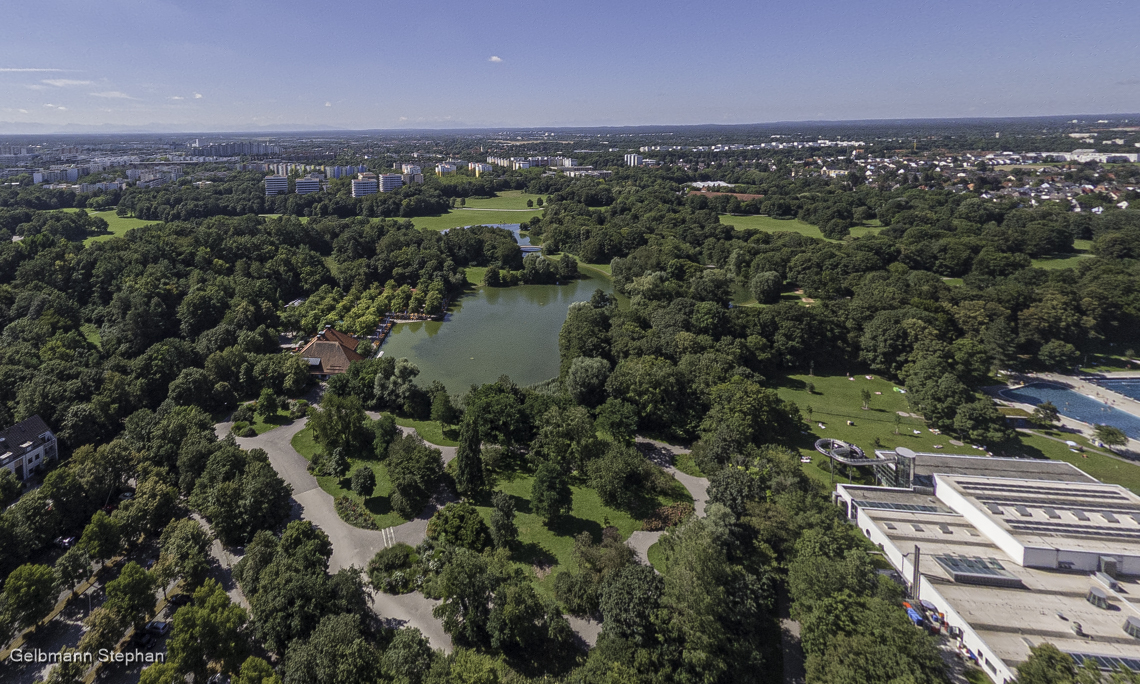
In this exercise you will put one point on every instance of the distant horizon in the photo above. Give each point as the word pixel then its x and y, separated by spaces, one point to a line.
pixel 293 129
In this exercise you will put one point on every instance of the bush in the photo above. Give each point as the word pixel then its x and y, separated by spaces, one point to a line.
pixel 299 410
pixel 667 516
pixel 248 432
pixel 239 427
pixel 353 513
pixel 577 593
pixel 244 413
pixel 459 524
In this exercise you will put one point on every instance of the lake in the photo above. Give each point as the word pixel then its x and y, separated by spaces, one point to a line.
pixel 493 331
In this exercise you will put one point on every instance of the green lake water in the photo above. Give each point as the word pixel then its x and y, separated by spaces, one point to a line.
pixel 493 331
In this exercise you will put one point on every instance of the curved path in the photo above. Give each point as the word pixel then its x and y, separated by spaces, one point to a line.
pixel 663 455
pixel 352 546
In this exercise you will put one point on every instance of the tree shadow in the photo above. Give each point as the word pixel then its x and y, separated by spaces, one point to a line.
pixel 278 420
pixel 570 526
pixel 378 505
pixel 532 554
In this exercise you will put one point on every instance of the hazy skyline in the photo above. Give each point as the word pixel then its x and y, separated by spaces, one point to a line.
pixel 223 65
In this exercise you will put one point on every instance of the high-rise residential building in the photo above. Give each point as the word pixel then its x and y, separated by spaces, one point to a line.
pixel 390 181
pixel 276 185
pixel 410 178
pixel 480 168
pixel 633 160
pixel 520 164
pixel 412 169
pixel 307 185
pixel 365 184
pixel 444 169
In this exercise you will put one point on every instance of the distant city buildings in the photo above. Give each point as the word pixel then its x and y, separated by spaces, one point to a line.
pixel 480 168
pixel 343 171
pixel 246 149
pixel 444 169
pixel 412 169
pixel 276 185
pixel 633 159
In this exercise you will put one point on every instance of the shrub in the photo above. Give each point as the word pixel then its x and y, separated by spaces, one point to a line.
pixel 238 427
pixel 299 410
pixel 393 569
pixel 667 516
pixel 354 513
pixel 248 432
pixel 577 592
pixel 244 413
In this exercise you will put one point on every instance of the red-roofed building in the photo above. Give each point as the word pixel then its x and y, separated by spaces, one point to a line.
pixel 330 352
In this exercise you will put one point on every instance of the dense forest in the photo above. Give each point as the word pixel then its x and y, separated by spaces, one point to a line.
pixel 132 348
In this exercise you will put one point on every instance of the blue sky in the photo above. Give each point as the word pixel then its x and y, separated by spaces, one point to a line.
pixel 240 65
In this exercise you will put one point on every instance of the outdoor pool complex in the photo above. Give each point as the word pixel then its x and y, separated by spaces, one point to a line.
pixel 1129 387
pixel 1073 404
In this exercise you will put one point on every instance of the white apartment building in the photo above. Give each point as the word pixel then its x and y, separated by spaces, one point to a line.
pixel 480 168
pixel 365 184
pixel 390 181
pixel 276 185
pixel 412 169
pixel 27 446
pixel 444 169
pixel 633 159
pixel 308 185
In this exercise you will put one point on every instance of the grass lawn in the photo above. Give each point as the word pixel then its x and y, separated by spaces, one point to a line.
pixel 656 557
pixel 686 464
pixel 431 431
pixel 1104 363
pixel 304 219
pixel 604 269
pixel 837 400
pixel 475 274
pixel 1061 261
pixel 91 332
pixel 771 225
pixel 508 199
pixel 457 218
pixel 261 425
pixel 118 225
pixel 540 546
pixel 379 504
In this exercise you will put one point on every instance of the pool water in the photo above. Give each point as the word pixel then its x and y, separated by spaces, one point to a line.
pixel 1129 387
pixel 1073 404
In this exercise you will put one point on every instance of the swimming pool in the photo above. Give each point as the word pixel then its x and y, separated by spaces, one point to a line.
pixel 1073 404
pixel 1129 387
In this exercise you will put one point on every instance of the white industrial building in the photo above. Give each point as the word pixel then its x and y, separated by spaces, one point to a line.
pixel 1013 553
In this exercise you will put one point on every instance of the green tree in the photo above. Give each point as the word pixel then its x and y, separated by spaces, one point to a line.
pixel 619 476
pixel 765 286
pixel 459 524
pixel 1058 354
pixel 1111 436
pixel 10 487
pixel 465 586
pixel 338 652
pixel 208 634
pixel 256 671
pixel 267 404
pixel 865 395
pixel 409 657
pixel 618 419
pixel 30 592
pixel 586 380
pixel 104 629
pixel 630 602
pixel 442 409
pixel 469 477
pixel 550 495
pixel 520 620
pixel 131 594
pixel 1046 415
pixel 414 469
pixel 183 546
pixel 734 489
pixel 363 480
pixel 340 423
pixel 72 568
pixel 504 532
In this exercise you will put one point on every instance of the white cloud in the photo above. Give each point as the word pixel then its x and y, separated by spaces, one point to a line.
pixel 62 109
pixel 328 104
pixel 17 70
pixel 53 106
pixel 37 86
pixel 197 96
pixel 22 111
pixel 177 97
pixel 65 82
pixel 495 58
pixel 113 94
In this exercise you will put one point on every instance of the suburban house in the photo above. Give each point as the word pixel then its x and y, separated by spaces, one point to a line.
pixel 329 353
pixel 26 446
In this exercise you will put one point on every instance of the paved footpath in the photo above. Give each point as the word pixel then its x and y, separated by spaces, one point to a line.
pixel 663 455
pixel 352 546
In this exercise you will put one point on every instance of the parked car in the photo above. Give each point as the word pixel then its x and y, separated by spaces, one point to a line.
pixel 145 640
pixel 158 627
pixel 126 496
pixel 179 600
pixel 65 542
